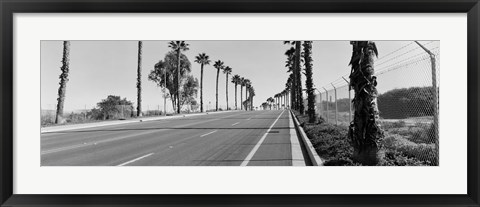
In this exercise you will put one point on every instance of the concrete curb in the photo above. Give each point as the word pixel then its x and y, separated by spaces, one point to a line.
pixel 314 157
pixel 119 122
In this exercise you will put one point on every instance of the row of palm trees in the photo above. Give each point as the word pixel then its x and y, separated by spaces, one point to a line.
pixel 178 47
pixel 293 91
pixel 364 131
pixel 279 100
pixel 203 59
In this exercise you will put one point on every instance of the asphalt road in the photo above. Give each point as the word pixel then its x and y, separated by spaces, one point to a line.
pixel 261 138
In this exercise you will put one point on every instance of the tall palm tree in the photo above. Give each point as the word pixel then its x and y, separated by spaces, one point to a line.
pixel 289 88
pixel 242 83
pixel 364 132
pixel 139 80
pixel 203 60
pixel 178 46
pixel 290 64
pixel 247 84
pixel 63 82
pixel 219 66
pixel 307 51
pixel 236 80
pixel 299 77
pixel 227 71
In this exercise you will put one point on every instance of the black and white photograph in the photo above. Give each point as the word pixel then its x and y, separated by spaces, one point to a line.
pixel 239 103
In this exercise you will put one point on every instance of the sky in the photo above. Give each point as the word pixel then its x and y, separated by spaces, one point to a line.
pixel 102 68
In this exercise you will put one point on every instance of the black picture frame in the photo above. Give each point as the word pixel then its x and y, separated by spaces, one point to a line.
pixel 9 7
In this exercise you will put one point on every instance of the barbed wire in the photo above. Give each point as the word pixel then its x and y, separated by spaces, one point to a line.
pixel 404 62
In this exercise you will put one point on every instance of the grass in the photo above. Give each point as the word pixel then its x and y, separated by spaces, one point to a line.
pixel 402 145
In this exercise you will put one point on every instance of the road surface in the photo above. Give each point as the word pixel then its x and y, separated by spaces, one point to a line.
pixel 241 138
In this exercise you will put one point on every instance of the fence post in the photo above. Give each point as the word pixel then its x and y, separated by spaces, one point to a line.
pixel 349 103
pixel 435 94
pixel 326 92
pixel 336 107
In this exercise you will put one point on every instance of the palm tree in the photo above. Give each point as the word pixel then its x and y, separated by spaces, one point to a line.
pixel 307 51
pixel 236 80
pixel 276 99
pixel 63 82
pixel 364 132
pixel 299 77
pixel 290 64
pixel 242 83
pixel 252 94
pixel 219 66
pixel 178 46
pixel 139 80
pixel 270 101
pixel 279 101
pixel 203 60
pixel 264 105
pixel 247 84
pixel 289 88
pixel 227 71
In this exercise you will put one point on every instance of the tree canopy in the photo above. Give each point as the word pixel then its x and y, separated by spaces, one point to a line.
pixel 114 107
pixel 164 72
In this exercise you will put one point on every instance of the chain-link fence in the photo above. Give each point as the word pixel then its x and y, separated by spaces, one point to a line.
pixel 407 101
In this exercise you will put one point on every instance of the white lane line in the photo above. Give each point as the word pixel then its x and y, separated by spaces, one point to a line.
pixel 136 159
pixel 124 137
pixel 235 123
pixel 99 142
pixel 208 133
pixel 254 150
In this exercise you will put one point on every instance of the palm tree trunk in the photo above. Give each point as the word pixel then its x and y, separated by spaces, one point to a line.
pixel 251 104
pixel 278 103
pixel 364 132
pixel 246 98
pixel 307 47
pixel 63 82
pixel 226 86
pixel 178 81
pixel 201 88
pixel 139 80
pixel 299 77
pixel 241 97
pixel 216 106
pixel 236 97
pixel 174 103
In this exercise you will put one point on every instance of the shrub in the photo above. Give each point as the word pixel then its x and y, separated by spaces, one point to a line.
pixel 332 144
pixel 420 133
pixel 425 153
pixel 390 125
